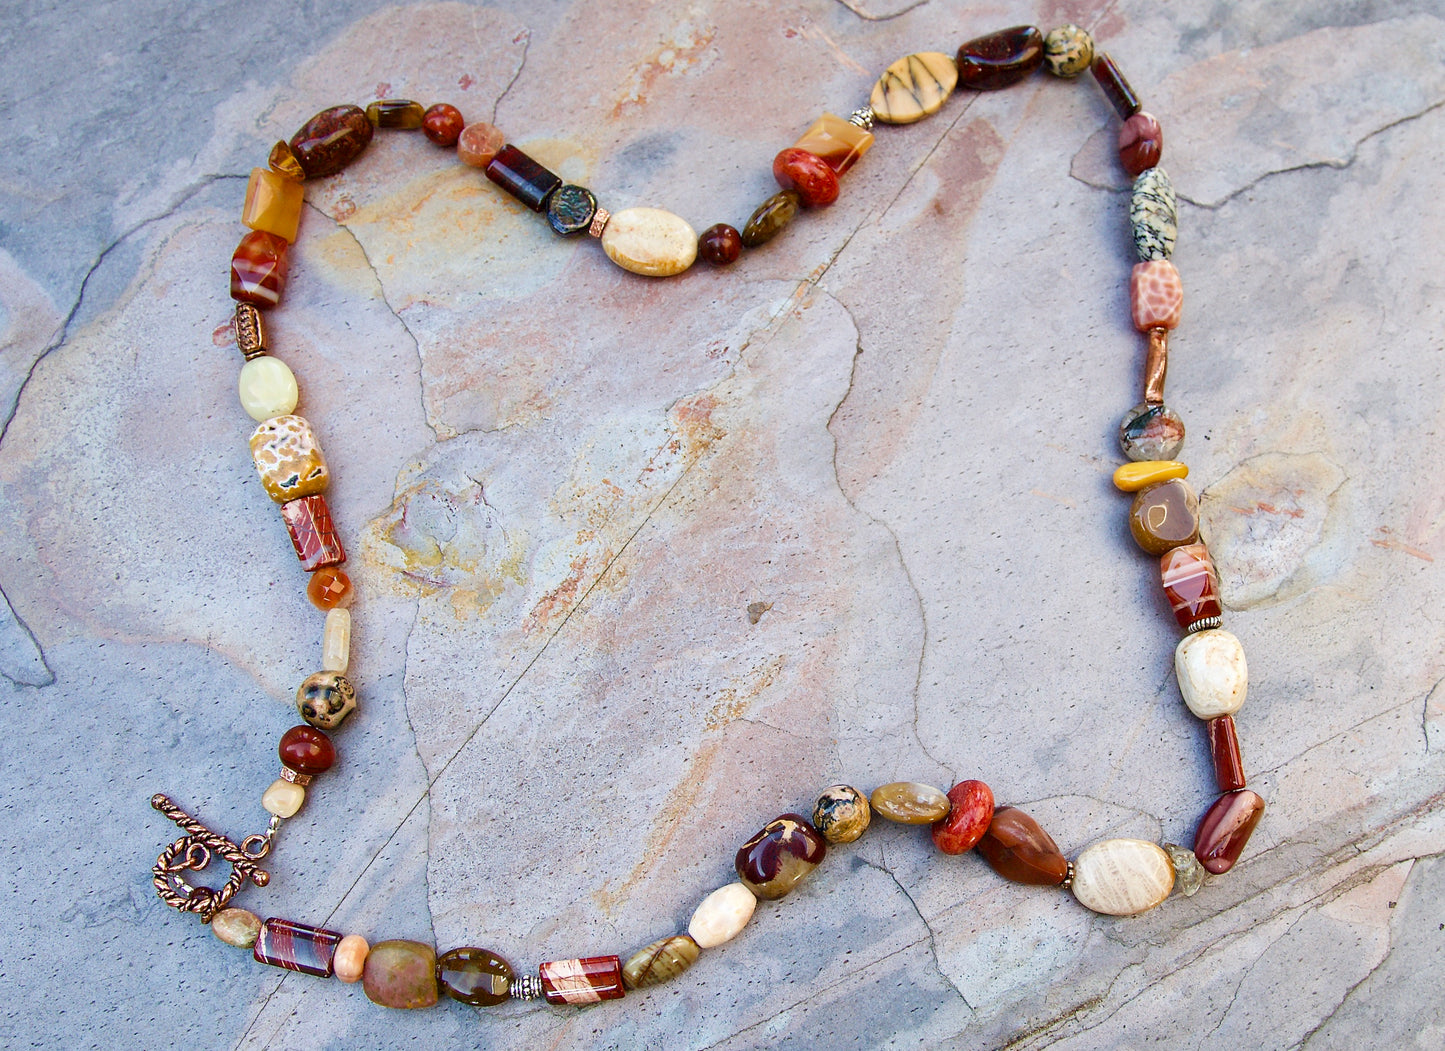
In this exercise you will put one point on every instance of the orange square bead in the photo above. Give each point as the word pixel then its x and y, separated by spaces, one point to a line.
pixel 839 142
pixel 273 204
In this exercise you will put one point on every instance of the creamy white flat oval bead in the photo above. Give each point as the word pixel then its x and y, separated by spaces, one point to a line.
pixel 283 798
pixel 649 241
pixel 721 915
pixel 336 640
pixel 268 388
pixel 1213 676
pixel 1122 877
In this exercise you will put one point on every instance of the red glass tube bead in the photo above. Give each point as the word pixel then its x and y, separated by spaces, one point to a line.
pixel 584 981
pixel 296 947
pixel 968 818
pixel 809 174
pixel 443 124
pixel 1191 585
pixel 1224 750
pixel 1116 89
pixel 1000 59
pixel 331 140
pixel 522 177
pixel 720 244
pixel 313 534
pixel 258 269
pixel 1141 143
pixel 306 750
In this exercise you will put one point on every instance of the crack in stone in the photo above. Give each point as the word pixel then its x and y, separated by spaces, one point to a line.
pixel 868 17
pixel 39 649
pixel 516 74
pixel 932 937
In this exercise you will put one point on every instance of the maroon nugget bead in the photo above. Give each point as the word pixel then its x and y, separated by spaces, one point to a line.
pixel 1018 849
pixel 1224 747
pixel 988 63
pixel 1225 829
pixel 306 750
pixel 967 820
pixel 720 244
pixel 331 140
pixel 443 124
pixel 809 174
pixel 1141 143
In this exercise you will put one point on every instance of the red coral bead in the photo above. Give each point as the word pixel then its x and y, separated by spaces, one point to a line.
pixel 967 820
pixel 443 124
pixel 306 750
pixel 809 174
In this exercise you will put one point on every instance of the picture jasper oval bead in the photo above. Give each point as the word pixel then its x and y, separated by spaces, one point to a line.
pixel 1225 829
pixel 841 814
pixel 770 218
pixel 1164 516
pixel 401 974
pixel 1000 59
pixel 775 860
pixel 913 87
pixel 1020 850
pixel 1122 877
pixel 331 140
pixel 910 803
pixel 970 810
pixel 650 241
pixel 475 976
pixel 1212 672
pixel 659 962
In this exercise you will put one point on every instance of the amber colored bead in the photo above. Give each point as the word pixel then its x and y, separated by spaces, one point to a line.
pixel 968 817
pixel 479 143
pixel 1116 89
pixel 1224 750
pixel 840 143
pixel 584 981
pixel 273 204
pixel 1165 516
pixel 775 860
pixel 331 140
pixel 329 587
pixel 306 750
pixel 443 124
pixel 403 114
pixel 910 803
pixel 810 175
pixel 720 244
pixel 1000 59
pixel 1141 143
pixel 522 177
pixel 313 534
pixel 1018 849
pixel 1225 829
pixel 1191 585
pixel 258 269
pixel 475 976
pixel 284 162
pixel 770 218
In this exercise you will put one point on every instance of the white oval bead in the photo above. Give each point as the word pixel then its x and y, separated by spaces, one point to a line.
pixel 283 798
pixel 650 242
pixel 1212 674
pixel 721 915
pixel 336 640
pixel 268 388
pixel 1122 877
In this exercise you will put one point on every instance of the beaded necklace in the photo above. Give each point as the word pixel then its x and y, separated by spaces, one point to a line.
pixel 1120 877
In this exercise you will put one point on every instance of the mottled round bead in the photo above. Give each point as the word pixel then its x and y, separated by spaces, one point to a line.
pixel 331 140
pixel 443 124
pixel 841 814
pixel 777 858
pixel 1151 432
pixel 329 588
pixel 238 927
pixel 325 699
pixel 479 143
pixel 770 218
pixel 1068 51
pixel 570 209
pixel 401 974
pixel 809 174
pixel 1141 142
pixel 720 244
pixel 306 750
pixel 659 962
pixel 475 976
pixel 970 811
pixel 348 963
pixel 910 803
pixel 1164 516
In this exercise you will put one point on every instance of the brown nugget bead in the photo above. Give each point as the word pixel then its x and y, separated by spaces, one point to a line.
pixel 475 976
pixel 331 140
pixel 1018 849
pixel 443 124
pixel 1141 143
pixel 809 174
pixel 306 750
pixel 283 162
pixel 720 244
pixel 1000 59
pixel 775 860
pixel 968 817
pixel 522 177
pixel 1165 516
pixel 1225 829
pixel 584 981
pixel 1116 89
pixel 1224 749
pixel 770 218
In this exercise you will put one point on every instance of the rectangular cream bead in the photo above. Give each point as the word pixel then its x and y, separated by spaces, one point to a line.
pixel 273 204
pixel 336 640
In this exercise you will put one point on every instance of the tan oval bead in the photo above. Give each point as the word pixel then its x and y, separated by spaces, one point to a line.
pixel 1122 877
pixel 649 241
pixel 349 960
pixel 913 87
pixel 283 798
pixel 1131 477
pixel 722 914
pixel 659 962
pixel 238 927
pixel 336 640
pixel 1212 673
pixel 267 388
pixel 910 803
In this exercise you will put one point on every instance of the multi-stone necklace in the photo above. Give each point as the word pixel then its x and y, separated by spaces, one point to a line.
pixel 1118 877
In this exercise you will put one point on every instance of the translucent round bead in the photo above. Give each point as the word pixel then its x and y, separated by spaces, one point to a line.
pixel 283 798
pixel 1151 432
pixel 479 143
pixel 720 244
pixel 1068 51
pixel 329 587
pixel 268 388
pixel 306 750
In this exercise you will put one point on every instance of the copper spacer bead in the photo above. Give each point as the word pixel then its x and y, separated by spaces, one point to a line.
pixel 250 331
pixel 599 222
pixel 295 777
pixel 1156 366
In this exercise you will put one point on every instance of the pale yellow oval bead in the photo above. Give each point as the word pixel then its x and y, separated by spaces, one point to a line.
pixel 268 388
pixel 1212 673
pixel 721 915
pixel 283 798
pixel 336 640
pixel 1131 477
pixel 913 87
pixel 238 927
pixel 650 242
pixel 910 803
pixel 1122 877
pixel 349 961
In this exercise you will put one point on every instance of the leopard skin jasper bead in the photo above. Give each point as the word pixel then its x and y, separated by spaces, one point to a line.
pixel 841 814
pixel 1068 51
pixel 775 860
pixel 326 699
pixel 288 458
pixel 659 962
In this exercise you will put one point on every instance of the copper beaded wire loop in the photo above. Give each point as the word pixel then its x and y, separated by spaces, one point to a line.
pixel 1117 877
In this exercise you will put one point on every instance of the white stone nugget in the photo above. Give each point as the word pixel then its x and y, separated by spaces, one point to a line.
pixel 268 388
pixel 1212 674
pixel 1122 877
pixel 650 242
pixel 721 915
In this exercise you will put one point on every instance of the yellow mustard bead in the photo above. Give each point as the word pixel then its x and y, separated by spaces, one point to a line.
pixel 283 798
pixel 268 388
pixel 1131 477
pixel 273 203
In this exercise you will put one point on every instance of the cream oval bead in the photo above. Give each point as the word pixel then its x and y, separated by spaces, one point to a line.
pixel 721 915
pixel 283 798
pixel 349 961
pixel 268 388
pixel 336 640
pixel 650 241
pixel 1122 877
pixel 1212 673
pixel 238 927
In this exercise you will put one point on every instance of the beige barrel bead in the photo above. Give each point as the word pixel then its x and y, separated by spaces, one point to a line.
pixel 1212 673
pixel 349 961
pixel 336 640
pixel 1122 877
pixel 268 388
pixel 283 798
pixel 722 914
pixel 650 241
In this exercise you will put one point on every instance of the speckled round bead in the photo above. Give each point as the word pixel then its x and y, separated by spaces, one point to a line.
pixel 841 814
pixel 1068 51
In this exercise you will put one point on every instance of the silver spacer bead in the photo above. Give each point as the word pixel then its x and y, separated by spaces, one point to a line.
pixel 526 987
pixel 863 118
pixel 1204 624
pixel 1068 878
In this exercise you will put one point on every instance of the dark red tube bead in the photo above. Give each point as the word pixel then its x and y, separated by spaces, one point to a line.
pixel 1224 748
pixel 443 124
pixel 1116 88
pixel 522 177
pixel 306 750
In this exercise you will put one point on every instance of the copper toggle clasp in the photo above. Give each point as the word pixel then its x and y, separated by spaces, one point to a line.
pixel 192 853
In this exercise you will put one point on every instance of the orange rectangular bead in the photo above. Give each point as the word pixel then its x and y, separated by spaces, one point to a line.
pixel 838 142
pixel 273 204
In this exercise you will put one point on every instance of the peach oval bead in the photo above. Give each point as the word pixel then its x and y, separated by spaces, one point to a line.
pixel 479 143
pixel 349 961
pixel 722 914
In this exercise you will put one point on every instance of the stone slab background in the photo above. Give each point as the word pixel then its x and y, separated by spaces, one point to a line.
pixel 562 487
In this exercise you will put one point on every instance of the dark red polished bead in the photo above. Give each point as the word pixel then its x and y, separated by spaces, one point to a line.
pixel 331 140
pixel 1018 849
pixel 720 244
pixel 522 177
pixel 313 534
pixel 1191 585
pixel 1141 143
pixel 809 174
pixel 1116 88
pixel 306 750
pixel 296 947
pixel 967 819
pixel 1225 829
pixel 988 63
pixel 443 124
pixel 775 860
pixel 1224 748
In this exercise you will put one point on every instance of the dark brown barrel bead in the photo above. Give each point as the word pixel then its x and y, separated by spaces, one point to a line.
pixel 968 817
pixel 770 218
pixel 809 174
pixel 443 124
pixel 1000 59
pixel 1116 88
pixel 720 245
pixel 775 860
pixel 1141 143
pixel 1224 749
pixel 1018 849
pixel 475 976
pixel 331 140
pixel 306 750
pixel 522 177
pixel 1225 829
pixel 570 209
